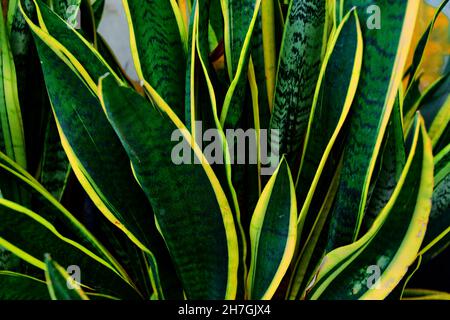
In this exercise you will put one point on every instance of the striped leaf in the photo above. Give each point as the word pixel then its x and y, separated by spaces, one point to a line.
pixel 158 48
pixel 392 160
pixel 29 236
pixel 298 71
pixel 329 111
pixel 312 249
pixel 371 267
pixel 437 237
pixel 198 230
pixel 340 73
pixel 416 100
pixel 94 151
pixel 273 234
pixel 384 58
pixel 12 140
pixel 239 22
pixel 50 209
pixel 210 119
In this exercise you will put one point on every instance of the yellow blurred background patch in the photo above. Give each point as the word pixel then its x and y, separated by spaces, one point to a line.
pixel 437 51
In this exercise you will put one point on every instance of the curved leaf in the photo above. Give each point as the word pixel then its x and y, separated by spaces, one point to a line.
pixel 371 267
pixel 392 160
pixel 328 114
pixel 437 236
pixel 440 122
pixel 273 234
pixel 95 152
pixel 198 230
pixel 384 59
pixel 30 237
pixel 418 57
pixel 157 48
pixel 238 30
pixel 339 73
pixel 12 139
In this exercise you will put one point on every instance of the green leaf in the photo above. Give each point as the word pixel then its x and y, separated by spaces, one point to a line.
pixel 313 249
pixel 157 48
pixel 62 37
pixel 339 73
pixel 269 27
pixel 198 230
pixel 12 139
pixel 29 236
pixel 371 267
pixel 415 99
pixel 33 98
pixel 58 282
pixel 440 122
pixel 384 58
pixel 273 234
pixel 425 294
pixel 94 150
pixel 437 236
pixel 265 99
pixel 237 19
pixel 98 7
pixel 50 209
pixel 16 286
pixel 298 71
pixel 207 112
pixel 239 22
pixel 55 167
pixel 393 161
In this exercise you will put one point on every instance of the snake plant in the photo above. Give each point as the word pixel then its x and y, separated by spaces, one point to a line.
pixel 358 198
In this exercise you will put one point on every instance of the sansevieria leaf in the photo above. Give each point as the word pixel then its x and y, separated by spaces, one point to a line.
pixel 392 161
pixel 425 294
pixel 237 40
pixel 157 48
pixel 329 111
pixel 437 236
pixel 98 159
pixel 384 58
pixel 371 267
pixel 419 57
pixel 273 234
pixel 12 140
pixel 330 107
pixel 29 236
pixel 190 207
pixel 298 71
